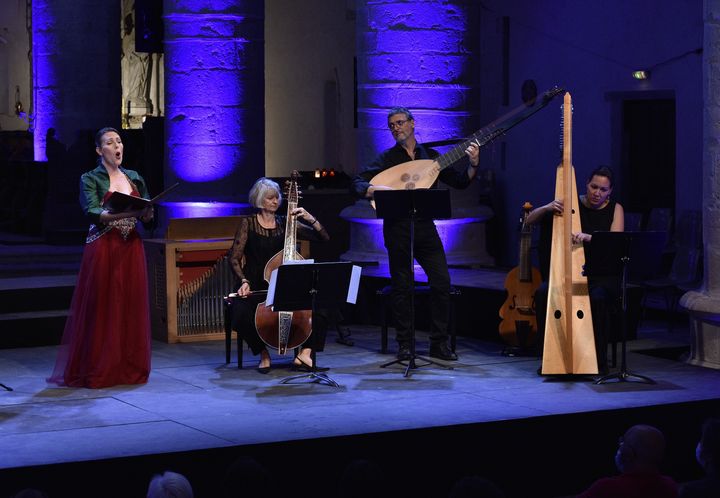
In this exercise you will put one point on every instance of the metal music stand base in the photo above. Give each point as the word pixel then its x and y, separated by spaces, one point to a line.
pixel 315 377
pixel 624 376
pixel 411 365
pixel 5 387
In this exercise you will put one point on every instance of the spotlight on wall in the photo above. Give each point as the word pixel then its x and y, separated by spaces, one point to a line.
pixel 641 75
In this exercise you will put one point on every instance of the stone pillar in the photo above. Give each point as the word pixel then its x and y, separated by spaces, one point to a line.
pixel 704 305
pixel 421 55
pixel 76 86
pixel 76 69
pixel 214 91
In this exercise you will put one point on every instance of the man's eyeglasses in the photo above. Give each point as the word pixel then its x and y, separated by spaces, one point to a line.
pixel 397 124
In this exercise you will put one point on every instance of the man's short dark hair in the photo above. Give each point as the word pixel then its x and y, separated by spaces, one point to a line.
pixel 401 110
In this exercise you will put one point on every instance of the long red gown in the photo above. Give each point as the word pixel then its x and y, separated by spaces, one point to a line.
pixel 106 340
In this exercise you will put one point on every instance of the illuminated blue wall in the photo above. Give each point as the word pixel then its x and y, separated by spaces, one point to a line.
pixel 44 74
pixel 419 55
pixel 76 70
pixel 214 87
pixel 423 55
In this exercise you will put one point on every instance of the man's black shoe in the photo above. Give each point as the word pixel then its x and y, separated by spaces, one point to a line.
pixel 443 352
pixel 403 351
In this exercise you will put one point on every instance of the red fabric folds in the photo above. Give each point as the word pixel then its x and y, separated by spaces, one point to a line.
pixel 106 341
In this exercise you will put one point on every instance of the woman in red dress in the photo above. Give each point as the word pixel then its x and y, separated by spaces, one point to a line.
pixel 106 341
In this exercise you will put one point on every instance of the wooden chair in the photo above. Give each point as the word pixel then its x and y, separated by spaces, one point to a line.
pixel 685 273
pixel 227 322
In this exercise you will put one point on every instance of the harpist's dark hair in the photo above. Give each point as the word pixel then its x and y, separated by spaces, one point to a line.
pixel 603 171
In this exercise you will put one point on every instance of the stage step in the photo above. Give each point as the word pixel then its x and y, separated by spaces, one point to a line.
pixel 33 328
pixel 20 261
pixel 33 310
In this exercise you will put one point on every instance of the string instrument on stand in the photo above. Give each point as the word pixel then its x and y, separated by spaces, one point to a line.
pixel 569 346
pixel 422 173
pixel 284 330
pixel 519 321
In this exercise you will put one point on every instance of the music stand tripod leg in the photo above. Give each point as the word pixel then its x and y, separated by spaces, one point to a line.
pixel 5 387
pixel 313 375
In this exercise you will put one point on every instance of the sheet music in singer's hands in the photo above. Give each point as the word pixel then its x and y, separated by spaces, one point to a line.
pixel 120 203
pixel 273 278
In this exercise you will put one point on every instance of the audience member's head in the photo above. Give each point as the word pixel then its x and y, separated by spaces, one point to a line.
pixel 30 493
pixel 641 449
pixel 708 448
pixel 475 487
pixel 246 477
pixel 169 485
pixel 361 478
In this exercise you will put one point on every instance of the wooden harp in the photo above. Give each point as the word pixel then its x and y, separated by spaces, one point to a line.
pixel 569 346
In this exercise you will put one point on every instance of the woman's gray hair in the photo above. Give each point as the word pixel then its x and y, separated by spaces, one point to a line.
pixel 259 191
pixel 169 485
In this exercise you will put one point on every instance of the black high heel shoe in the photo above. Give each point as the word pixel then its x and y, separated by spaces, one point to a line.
pixel 304 367
pixel 263 370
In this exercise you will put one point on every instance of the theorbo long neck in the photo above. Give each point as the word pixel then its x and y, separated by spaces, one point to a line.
pixel 290 247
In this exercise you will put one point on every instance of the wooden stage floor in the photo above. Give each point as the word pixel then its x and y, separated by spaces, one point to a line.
pixel 490 415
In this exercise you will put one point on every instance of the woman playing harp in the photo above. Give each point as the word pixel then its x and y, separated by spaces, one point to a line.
pixel 598 212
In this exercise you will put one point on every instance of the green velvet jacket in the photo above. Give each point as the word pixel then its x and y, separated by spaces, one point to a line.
pixel 93 186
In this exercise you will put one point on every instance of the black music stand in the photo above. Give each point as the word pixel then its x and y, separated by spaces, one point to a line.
pixel 426 204
pixel 302 286
pixel 5 387
pixel 625 254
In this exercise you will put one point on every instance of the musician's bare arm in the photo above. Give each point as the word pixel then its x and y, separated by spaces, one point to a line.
pixel 618 224
pixel 555 206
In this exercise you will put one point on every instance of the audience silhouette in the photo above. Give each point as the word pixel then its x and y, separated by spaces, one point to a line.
pixel 475 487
pixel 362 478
pixel 247 477
pixel 707 454
pixel 638 457
pixel 30 493
pixel 169 485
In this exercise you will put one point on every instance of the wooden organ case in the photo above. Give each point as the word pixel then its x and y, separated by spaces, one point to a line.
pixel 188 275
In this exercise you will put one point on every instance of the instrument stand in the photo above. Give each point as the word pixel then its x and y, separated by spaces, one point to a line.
pixel 305 285
pixel 612 255
pixel 411 205
pixel 5 387
pixel 523 330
